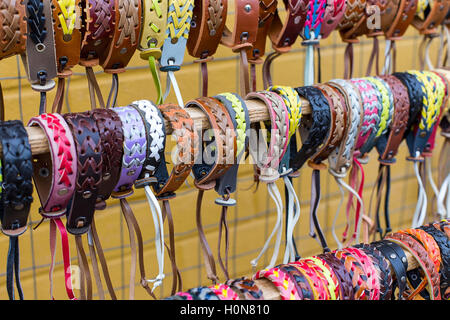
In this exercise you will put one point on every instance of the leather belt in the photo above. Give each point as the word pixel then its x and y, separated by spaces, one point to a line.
pixel 206 174
pixel 242 37
pixel 15 195
pixel 54 176
pixel 207 24
pixel 283 34
pixel 40 59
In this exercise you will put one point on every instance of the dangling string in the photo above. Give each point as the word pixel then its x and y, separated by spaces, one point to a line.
pixel 309 61
pixel 94 89
pixel 421 207
pixel 95 269
pixel 112 97
pixel 171 80
pixel 440 206
pixel 314 222
pixel 159 234
pixel 444 192
pixel 276 196
pixel 293 215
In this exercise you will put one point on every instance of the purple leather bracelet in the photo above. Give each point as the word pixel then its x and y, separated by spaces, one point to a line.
pixel 134 150
pixel 54 173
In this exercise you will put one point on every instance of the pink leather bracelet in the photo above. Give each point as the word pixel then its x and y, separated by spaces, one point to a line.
pixel 54 173
pixel 281 280
pixel 224 292
pixel 373 281
pixel 319 287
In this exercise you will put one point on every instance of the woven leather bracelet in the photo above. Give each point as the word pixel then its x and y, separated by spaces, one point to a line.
pixel 319 288
pixel 304 288
pixel 224 292
pixel 246 288
pixel 428 267
pixel 343 277
pixel 54 173
pixel 111 139
pixel 383 270
pixel 13 27
pixel 326 274
pixel 202 293
pixel 443 242
pixel 281 280
pixel 316 126
pixel 89 166
pixel 405 14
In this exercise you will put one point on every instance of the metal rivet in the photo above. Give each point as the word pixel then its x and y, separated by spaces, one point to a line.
pixel 98 42
pixel 297 20
pixel 44 172
pixel 423 134
pixel 87 194
pixel 174 40
pixel 247 8
pixel 19 206
pixel 123 50
pixel 67 37
pixel 106 176
pixel 40 47
pixel 393 256
pixel 131 172
pixel 404 260
pixel 397 131
pixel 63 191
pixel 403 279
pixel 212 32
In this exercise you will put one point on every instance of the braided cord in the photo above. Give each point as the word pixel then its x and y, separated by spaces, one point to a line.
pixel 429 109
pixel 67 16
pixel 333 284
pixel 36 21
pixel 293 103
pixel 224 292
pixel 314 18
pixel 240 119
pixel 440 89
pixel 387 103
pixel 129 16
pixel 179 18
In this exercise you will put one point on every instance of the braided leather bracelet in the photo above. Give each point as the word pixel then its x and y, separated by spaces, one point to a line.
pixel 319 288
pixel 304 287
pixel 343 277
pixel 383 271
pixel 281 280
pixel 373 282
pixel 326 274
pixel 443 242
pixel 357 274
pixel 202 293
pixel 13 28
pixel 428 267
pixel 16 195
pixel 224 292
pixel 246 288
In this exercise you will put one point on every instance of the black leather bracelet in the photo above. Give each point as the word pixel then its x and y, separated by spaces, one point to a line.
pixel 397 258
pixel 444 245
pixel 15 196
pixel 316 126
pixel 382 264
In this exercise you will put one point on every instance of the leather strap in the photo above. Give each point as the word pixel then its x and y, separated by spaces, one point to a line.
pixel 315 128
pixel 405 15
pixel 242 37
pixel 326 274
pixel 431 275
pixel 111 139
pixel 433 16
pixel 80 211
pixel 300 280
pixel 334 13
pixel 317 284
pixel 125 36
pixel 343 277
pixel 54 173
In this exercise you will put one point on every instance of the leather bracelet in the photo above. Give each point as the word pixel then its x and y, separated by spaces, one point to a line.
pixel 318 286
pixel 134 150
pixel 181 296
pixel 187 147
pixel 354 17
pixel 281 280
pixel 373 282
pixel 431 274
pixel 327 275
pixel 13 26
pixel 156 139
pixel 40 60
pixel 17 170
pixel 111 139
pixel 202 293
pixel 89 171
pixel 387 145
pixel 398 261
pixel 383 270
pixel 443 242
pixel 343 277
pixel 334 13
pixel 125 37
pixel 224 292
pixel 54 173
pixel 434 15
pixel 405 14
pixel 304 288
pixel 314 19
pixel 246 288
pixel 341 158
pixel 67 34
pixel 357 274
pixel 316 126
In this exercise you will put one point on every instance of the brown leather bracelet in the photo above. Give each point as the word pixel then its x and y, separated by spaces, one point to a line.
pixel 13 28
pixel 398 123
pixel 405 14
pixel 354 16
pixel 125 36
pixel 421 256
pixel 434 16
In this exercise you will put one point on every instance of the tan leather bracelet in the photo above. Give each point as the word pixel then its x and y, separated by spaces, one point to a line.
pixel 354 16
pixel 405 14
pixel 13 28
pixel 125 38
